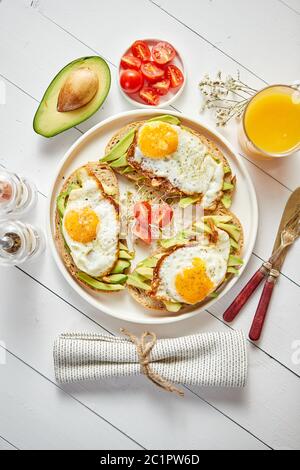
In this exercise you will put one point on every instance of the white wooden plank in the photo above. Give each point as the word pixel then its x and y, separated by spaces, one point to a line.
pixel 24 39
pixel 4 445
pixel 239 28
pixel 164 421
pixel 14 158
pixel 294 5
pixel 272 390
pixel 191 46
pixel 35 414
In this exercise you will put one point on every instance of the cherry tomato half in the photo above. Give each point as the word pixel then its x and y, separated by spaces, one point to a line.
pixel 131 62
pixel 175 76
pixel 142 226
pixel 163 53
pixel 150 96
pixel 152 72
pixel 131 81
pixel 141 50
pixel 162 87
pixel 161 215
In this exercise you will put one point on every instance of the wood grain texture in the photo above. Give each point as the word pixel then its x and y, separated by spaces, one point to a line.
pixel 36 40
pixel 4 445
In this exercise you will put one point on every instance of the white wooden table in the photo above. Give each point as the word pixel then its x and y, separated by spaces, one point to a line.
pixel 261 38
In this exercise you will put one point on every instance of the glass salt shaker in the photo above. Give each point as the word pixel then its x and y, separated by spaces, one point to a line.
pixel 19 243
pixel 17 195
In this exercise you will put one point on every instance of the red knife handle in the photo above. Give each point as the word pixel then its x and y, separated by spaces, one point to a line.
pixel 237 305
pixel 262 309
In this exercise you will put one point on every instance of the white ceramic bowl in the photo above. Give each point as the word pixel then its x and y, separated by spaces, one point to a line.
pixel 89 148
pixel 173 94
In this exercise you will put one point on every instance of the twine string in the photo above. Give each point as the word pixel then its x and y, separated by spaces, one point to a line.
pixel 144 347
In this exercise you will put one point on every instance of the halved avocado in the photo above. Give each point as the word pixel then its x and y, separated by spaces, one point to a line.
pixel 48 121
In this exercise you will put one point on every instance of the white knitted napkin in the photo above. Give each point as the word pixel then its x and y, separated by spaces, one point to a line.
pixel 209 359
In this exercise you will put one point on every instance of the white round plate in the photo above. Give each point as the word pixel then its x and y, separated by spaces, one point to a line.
pixel 90 147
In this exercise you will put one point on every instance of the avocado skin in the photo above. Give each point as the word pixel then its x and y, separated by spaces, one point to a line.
pixel 71 118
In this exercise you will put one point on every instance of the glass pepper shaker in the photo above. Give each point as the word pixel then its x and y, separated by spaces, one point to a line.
pixel 19 243
pixel 17 195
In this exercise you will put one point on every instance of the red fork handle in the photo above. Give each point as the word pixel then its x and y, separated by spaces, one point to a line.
pixel 237 305
pixel 262 309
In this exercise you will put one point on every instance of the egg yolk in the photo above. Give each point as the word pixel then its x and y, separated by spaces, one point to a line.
pixel 158 140
pixel 82 225
pixel 193 284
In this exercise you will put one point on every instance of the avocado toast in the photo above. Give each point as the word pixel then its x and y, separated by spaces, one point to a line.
pixel 143 283
pixel 114 279
pixel 120 153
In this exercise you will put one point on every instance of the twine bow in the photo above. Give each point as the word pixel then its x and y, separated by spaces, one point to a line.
pixel 144 346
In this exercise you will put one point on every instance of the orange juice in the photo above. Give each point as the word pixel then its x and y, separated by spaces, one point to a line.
pixel 272 121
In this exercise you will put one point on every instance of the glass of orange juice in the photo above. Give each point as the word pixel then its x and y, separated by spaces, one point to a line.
pixel 271 122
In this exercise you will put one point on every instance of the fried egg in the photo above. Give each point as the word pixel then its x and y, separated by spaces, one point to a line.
pixel 91 228
pixel 171 152
pixel 191 273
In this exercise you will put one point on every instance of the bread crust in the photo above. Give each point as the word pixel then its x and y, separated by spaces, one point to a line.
pixel 162 185
pixel 106 179
pixel 147 299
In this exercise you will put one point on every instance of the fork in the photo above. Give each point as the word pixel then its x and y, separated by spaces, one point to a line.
pixel 289 235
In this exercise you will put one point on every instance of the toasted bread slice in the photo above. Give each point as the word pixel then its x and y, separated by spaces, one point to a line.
pixel 148 301
pixel 109 184
pixel 162 185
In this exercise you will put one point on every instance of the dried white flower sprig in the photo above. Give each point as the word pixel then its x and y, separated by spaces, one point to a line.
pixel 228 97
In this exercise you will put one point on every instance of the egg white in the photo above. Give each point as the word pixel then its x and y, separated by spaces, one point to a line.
pixel 190 169
pixel 96 258
pixel 215 257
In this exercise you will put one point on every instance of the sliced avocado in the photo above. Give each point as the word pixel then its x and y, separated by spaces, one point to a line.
pixel 188 201
pixel 235 261
pixel 120 162
pixel 116 279
pixel 120 267
pixel 134 280
pixel 121 148
pixel 166 244
pixel 50 122
pixel 145 272
pixel 227 186
pixel 203 227
pixel 173 307
pixel 123 247
pixel 232 230
pixel 227 170
pixel 149 262
pixel 166 118
pixel 213 295
pixel 61 200
pixel 64 240
pixel 127 170
pixel 218 218
pixel 125 255
pixel 98 284
pixel 181 239
pixel 226 201
pixel 234 244
pixel 232 270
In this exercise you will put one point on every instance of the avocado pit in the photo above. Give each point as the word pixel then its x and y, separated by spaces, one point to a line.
pixel 78 90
